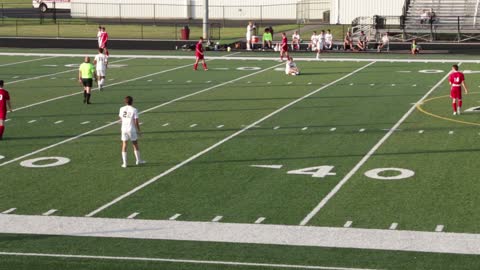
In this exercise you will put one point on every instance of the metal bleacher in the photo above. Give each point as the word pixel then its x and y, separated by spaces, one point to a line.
pixel 452 17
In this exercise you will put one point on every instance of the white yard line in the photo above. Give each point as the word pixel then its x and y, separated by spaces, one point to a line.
pixel 284 235
pixel 192 57
pixel 182 261
pixel 49 212
pixel 217 218
pixel 174 217
pixel 183 163
pixel 57 73
pixel 147 110
pixel 11 210
pixel 133 215
pixel 26 61
pixel 349 175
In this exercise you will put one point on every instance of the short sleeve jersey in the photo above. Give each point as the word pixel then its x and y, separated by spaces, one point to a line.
pixel 314 38
pixel 284 43
pixel 296 37
pixel 101 60
pixel 328 37
pixel 128 114
pixel 4 97
pixel 456 79
pixel 199 49
pixel 87 70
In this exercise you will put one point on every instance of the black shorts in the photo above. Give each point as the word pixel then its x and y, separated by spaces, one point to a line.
pixel 87 82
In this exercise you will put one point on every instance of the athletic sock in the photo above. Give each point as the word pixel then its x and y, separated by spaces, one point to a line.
pixel 84 96
pixel 2 129
pixel 137 155
pixel 88 97
pixel 204 65
pixel 460 104
pixel 124 157
pixel 102 81
pixel 195 66
pixel 454 105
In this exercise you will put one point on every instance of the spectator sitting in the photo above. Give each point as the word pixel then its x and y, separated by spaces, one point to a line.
pixel 384 43
pixel 348 42
pixel 362 41
pixel 267 39
pixel 328 40
pixel 313 42
pixel 424 17
pixel 291 68
pixel 295 41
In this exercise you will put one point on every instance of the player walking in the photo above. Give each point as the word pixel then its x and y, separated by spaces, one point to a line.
pixel 199 55
pixel 457 80
pixel 284 47
pixel 101 62
pixel 4 105
pixel 86 72
pixel 130 130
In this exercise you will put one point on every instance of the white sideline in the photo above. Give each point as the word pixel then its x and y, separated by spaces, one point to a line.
pixel 183 163
pixel 285 235
pixel 57 73
pixel 184 261
pixel 21 62
pixel 147 110
pixel 311 59
pixel 357 167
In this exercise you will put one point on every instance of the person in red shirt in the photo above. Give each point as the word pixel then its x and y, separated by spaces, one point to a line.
pixel 4 105
pixel 103 41
pixel 284 47
pixel 457 80
pixel 199 55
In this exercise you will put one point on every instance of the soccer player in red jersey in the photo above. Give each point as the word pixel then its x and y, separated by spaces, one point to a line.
pixel 199 55
pixel 457 80
pixel 284 47
pixel 4 103
pixel 104 40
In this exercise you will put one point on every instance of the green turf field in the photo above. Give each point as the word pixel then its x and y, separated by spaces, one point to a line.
pixel 368 144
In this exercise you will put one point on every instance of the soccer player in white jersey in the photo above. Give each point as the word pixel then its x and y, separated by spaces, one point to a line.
pixel 130 130
pixel 101 63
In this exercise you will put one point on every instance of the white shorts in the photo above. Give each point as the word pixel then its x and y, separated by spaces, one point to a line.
pixel 129 136
pixel 101 72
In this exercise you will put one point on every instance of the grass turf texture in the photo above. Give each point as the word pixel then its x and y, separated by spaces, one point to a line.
pixel 222 181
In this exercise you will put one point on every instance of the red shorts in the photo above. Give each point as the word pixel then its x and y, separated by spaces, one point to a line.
pixel 284 48
pixel 200 56
pixel 456 92
pixel 3 115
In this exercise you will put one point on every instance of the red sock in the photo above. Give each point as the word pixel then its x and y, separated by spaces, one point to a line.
pixel 195 66
pixel 204 65
pixel 2 129
pixel 454 105
pixel 459 103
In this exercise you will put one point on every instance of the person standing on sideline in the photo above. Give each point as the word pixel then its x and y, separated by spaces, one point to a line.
pixel 101 62
pixel 284 47
pixel 457 80
pixel 249 35
pixel 4 105
pixel 99 36
pixel 86 73
pixel 104 41
pixel 130 130
pixel 199 55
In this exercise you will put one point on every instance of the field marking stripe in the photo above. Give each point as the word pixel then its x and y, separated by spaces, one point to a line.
pixel 181 164
pixel 357 167
pixel 145 111
pixel 310 59
pixel 26 61
pixel 57 73
pixel 94 257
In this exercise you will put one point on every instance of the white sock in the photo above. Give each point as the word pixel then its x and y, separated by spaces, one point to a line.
pixel 124 157
pixel 137 155
pixel 102 82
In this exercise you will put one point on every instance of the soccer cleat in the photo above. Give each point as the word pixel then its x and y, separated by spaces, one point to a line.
pixel 458 111
pixel 139 162
pixel 454 113
pixel 124 165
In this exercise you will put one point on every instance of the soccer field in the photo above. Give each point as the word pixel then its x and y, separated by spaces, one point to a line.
pixel 354 164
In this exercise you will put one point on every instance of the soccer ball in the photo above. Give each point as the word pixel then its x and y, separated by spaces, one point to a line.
pixel 229 49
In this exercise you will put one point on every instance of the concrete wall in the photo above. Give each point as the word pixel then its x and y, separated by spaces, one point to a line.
pixel 345 11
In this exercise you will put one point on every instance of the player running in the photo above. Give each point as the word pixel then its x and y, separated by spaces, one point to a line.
pixel 101 63
pixel 457 80
pixel 284 47
pixel 130 130
pixel 4 105
pixel 86 73
pixel 199 55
